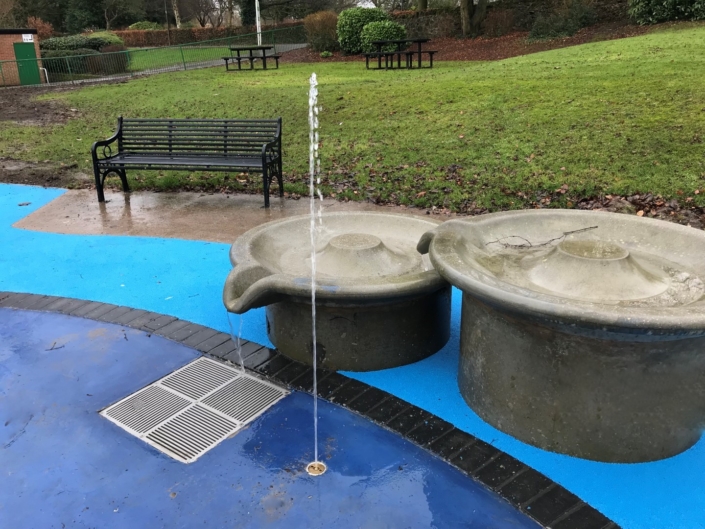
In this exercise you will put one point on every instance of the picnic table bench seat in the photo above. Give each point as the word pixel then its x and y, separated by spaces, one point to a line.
pixel 191 144
pixel 397 54
pixel 250 59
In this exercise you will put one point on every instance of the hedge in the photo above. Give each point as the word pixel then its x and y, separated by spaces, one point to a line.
pixel 351 23
pixel 156 38
pixel 655 11
pixel 145 25
pixel 384 30
pixel 77 42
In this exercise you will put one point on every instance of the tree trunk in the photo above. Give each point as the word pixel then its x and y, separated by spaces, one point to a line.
pixel 108 20
pixel 177 16
pixel 247 12
pixel 422 5
pixel 478 17
pixel 466 7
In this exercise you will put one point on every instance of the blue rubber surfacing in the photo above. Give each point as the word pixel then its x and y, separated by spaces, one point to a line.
pixel 66 466
pixel 185 278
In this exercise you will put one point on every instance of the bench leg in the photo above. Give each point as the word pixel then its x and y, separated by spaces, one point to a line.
pixel 98 183
pixel 430 60
pixel 265 178
pixel 277 61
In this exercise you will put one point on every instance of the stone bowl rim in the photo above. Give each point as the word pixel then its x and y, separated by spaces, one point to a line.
pixel 554 309
pixel 351 293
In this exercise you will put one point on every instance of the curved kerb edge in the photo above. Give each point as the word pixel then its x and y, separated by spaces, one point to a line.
pixel 534 494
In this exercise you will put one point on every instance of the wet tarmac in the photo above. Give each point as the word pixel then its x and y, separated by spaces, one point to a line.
pixel 66 466
pixel 195 216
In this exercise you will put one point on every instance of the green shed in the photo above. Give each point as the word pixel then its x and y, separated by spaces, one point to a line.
pixel 20 60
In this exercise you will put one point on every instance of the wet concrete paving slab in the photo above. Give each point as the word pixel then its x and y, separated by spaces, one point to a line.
pixel 196 216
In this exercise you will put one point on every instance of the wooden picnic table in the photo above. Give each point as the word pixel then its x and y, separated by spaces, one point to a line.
pixel 250 56
pixel 401 45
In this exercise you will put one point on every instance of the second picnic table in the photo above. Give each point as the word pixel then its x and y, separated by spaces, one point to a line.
pixel 401 44
pixel 250 56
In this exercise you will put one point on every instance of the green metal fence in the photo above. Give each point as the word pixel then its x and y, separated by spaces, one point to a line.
pixel 143 61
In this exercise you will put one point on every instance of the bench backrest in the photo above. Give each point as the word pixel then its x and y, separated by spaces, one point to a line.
pixel 224 137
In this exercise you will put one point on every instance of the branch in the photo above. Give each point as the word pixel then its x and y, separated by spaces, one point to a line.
pixel 527 243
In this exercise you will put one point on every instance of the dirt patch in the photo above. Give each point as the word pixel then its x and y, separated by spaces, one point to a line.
pixel 21 106
pixel 42 174
pixel 493 49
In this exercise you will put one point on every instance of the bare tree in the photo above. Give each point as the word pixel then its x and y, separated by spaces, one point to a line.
pixel 177 15
pixel 201 10
pixel 394 5
pixel 114 8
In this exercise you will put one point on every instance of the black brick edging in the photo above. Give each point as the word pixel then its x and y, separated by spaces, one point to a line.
pixel 534 494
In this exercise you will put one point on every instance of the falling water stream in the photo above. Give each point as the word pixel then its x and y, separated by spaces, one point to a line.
pixel 237 340
pixel 316 467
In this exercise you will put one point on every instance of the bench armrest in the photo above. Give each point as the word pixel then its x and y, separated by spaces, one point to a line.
pixel 106 150
pixel 271 151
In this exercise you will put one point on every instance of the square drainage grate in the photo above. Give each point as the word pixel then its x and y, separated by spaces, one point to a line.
pixel 191 410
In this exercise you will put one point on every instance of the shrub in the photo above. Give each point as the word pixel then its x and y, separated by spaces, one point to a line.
pixel 565 22
pixel 95 42
pixel 653 11
pixel 108 63
pixel 320 30
pixel 385 30
pixel 145 25
pixel 74 42
pixel 67 63
pixel 54 54
pixel 351 23
pixel 106 38
pixel 498 22
pixel 326 54
pixel 44 29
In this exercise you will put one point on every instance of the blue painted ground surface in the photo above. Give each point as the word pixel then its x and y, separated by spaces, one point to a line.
pixel 66 466
pixel 185 278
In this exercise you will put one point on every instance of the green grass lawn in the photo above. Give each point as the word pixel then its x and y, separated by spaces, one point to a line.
pixel 153 58
pixel 619 117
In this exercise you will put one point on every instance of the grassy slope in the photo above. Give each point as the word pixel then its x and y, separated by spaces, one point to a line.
pixel 617 117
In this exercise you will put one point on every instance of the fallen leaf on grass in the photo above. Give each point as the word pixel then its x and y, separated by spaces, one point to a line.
pixel 640 213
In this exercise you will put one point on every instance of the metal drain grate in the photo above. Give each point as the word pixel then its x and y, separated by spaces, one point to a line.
pixel 199 378
pixel 243 399
pixel 191 410
pixel 192 432
pixel 147 408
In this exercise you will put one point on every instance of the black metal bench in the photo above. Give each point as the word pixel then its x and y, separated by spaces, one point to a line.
pixel 246 145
